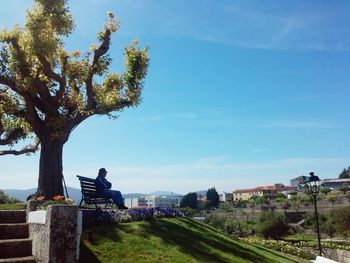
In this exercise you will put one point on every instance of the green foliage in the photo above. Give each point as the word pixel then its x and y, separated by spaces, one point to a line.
pixel 345 173
pixel 280 196
pixel 325 190
pixel 216 220
pixel 46 90
pixel 284 203
pixel 329 228
pixel 344 188
pixel 5 199
pixel 272 225
pixel 187 211
pixel 240 203
pixel 306 200
pixel 190 200
pixel 332 198
pixel 226 206
pixel 347 196
pixel 212 198
pixel 341 219
pixel 296 201
pixel 293 193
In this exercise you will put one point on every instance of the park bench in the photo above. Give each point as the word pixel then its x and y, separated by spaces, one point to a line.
pixel 89 195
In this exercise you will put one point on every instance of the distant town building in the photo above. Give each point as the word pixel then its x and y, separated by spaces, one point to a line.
pixel 135 202
pixel 300 180
pixel 153 201
pixel 335 184
pixel 226 197
pixel 245 194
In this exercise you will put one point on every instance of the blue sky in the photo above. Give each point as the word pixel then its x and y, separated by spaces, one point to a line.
pixel 239 94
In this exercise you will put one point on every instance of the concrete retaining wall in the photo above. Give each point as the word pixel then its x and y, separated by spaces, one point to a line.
pixel 339 255
pixel 56 238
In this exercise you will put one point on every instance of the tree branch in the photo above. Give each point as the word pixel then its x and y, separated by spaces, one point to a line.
pixel 25 150
pixel 24 72
pixel 31 116
pixel 47 70
pixel 102 49
pixel 13 135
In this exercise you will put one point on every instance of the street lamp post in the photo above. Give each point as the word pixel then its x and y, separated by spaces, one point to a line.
pixel 314 184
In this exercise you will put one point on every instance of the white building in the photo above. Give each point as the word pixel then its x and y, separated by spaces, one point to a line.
pixel 226 197
pixel 135 201
pixel 153 201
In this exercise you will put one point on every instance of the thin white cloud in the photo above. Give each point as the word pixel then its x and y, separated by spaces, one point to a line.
pixel 295 124
pixel 186 115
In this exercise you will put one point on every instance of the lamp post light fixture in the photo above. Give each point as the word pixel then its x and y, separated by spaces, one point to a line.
pixel 314 185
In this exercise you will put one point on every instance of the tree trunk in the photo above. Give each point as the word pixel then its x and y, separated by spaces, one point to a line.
pixel 50 168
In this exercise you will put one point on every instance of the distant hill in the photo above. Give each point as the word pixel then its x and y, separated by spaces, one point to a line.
pixel 22 195
pixel 165 193
pixel 133 195
pixel 202 193
pixel 75 194
pixel 19 194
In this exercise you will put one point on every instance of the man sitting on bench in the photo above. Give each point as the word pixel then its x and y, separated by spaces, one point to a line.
pixel 103 188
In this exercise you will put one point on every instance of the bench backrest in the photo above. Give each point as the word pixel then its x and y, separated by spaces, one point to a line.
pixel 87 185
pixel 88 190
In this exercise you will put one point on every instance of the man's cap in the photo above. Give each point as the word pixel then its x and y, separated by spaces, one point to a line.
pixel 102 170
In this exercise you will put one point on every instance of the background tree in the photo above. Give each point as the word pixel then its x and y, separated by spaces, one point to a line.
pixel 5 199
pixel 326 190
pixel 332 198
pixel 344 188
pixel 213 198
pixel 296 202
pixel 341 217
pixel 46 91
pixel 345 173
pixel 190 200
pixel 253 201
pixel 272 225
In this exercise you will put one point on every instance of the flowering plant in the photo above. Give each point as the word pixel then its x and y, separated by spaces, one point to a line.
pixel 284 246
pixel 134 214
pixel 58 199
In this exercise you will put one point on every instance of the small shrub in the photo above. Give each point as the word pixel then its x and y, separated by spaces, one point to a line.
pixel 272 225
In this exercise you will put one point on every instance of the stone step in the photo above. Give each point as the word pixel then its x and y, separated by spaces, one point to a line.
pixel 12 248
pixel 12 216
pixel 30 259
pixel 14 231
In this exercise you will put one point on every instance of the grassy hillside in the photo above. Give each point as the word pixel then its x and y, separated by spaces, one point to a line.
pixel 169 240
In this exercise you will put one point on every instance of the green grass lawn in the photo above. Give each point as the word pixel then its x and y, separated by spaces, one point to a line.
pixel 170 240
pixel 12 206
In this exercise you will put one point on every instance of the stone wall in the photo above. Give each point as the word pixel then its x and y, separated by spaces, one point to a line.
pixel 342 256
pixel 56 238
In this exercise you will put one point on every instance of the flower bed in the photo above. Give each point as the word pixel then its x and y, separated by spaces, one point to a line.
pixel 283 246
pixel 304 249
pixel 135 214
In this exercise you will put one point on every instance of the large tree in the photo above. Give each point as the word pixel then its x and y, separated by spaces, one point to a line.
pixel 345 173
pixel 47 91
pixel 190 200
pixel 213 198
